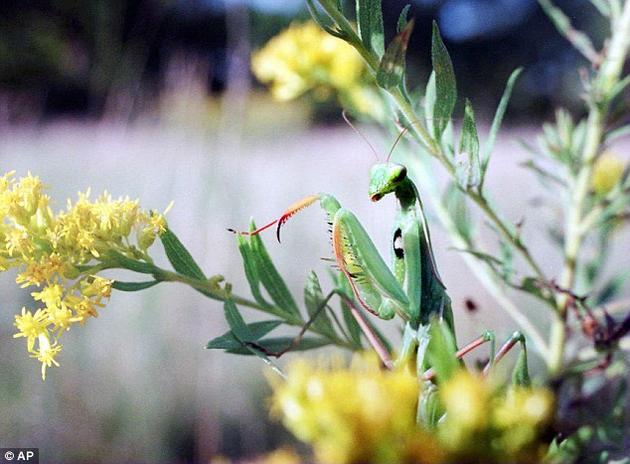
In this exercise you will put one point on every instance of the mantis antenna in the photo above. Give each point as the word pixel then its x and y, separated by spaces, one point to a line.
pixel 398 139
pixel 344 114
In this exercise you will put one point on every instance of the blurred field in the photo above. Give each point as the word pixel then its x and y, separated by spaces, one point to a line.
pixel 136 385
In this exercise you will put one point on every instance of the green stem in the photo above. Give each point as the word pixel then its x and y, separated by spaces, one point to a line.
pixel 603 86
pixel 208 289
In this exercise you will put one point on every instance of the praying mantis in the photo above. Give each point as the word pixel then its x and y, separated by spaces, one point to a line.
pixel 412 288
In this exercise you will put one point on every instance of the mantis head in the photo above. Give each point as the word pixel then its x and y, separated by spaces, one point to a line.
pixel 385 178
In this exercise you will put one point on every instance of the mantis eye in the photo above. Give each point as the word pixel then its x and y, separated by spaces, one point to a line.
pixel 401 174
pixel 376 197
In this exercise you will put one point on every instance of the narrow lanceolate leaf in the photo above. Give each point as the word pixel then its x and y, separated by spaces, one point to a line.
pixel 520 375
pixel 251 270
pixel 280 343
pixel 370 19
pixel 498 119
pixel 445 85
pixel 236 322
pixel 402 19
pixel 391 70
pixel 270 277
pixel 228 340
pixel 133 286
pixel 323 20
pixel 313 300
pixel 130 263
pixel 180 257
pixel 469 168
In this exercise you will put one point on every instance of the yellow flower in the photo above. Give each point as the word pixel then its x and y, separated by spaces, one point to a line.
pixel 50 295
pixel 356 414
pixel 607 173
pixel 31 325
pixel 46 354
pixel 304 58
pixel 491 423
pixel 58 252
pixel 465 397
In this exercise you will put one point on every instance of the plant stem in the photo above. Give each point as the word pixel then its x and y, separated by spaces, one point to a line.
pixel 209 289
pixel 603 84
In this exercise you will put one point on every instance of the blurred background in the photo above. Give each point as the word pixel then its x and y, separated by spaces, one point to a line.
pixel 155 100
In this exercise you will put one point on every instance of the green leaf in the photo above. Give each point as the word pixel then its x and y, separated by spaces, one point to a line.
pixel 520 374
pixel 498 119
pixel 280 343
pixel 611 289
pixel 313 300
pixel 402 19
pixel 130 263
pixel 455 202
pixel 236 322
pixel 370 19
pixel 228 340
pixel 445 85
pixel 352 326
pixel 441 351
pixel 532 286
pixel 270 277
pixel 469 170
pixel 251 270
pixel 133 286
pixel 323 20
pixel 179 256
pixel 429 102
pixel 391 69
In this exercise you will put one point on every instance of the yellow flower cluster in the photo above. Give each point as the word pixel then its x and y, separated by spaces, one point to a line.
pixel 607 173
pixel 364 414
pixel 305 58
pixel 360 414
pixel 61 253
pixel 489 423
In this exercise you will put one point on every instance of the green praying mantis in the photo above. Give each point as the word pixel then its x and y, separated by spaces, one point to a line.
pixel 411 289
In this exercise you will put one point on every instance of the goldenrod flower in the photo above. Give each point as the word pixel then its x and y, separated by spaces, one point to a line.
pixel 304 58
pixel 356 414
pixel 57 252
pixel 31 325
pixel 488 422
pixel 607 173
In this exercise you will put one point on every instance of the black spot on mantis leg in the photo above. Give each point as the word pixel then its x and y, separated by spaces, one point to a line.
pixel 399 251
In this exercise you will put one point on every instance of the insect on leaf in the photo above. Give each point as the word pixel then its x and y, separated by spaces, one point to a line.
pixel 179 256
pixel 228 340
pixel 445 85
pixel 370 19
pixel 391 70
